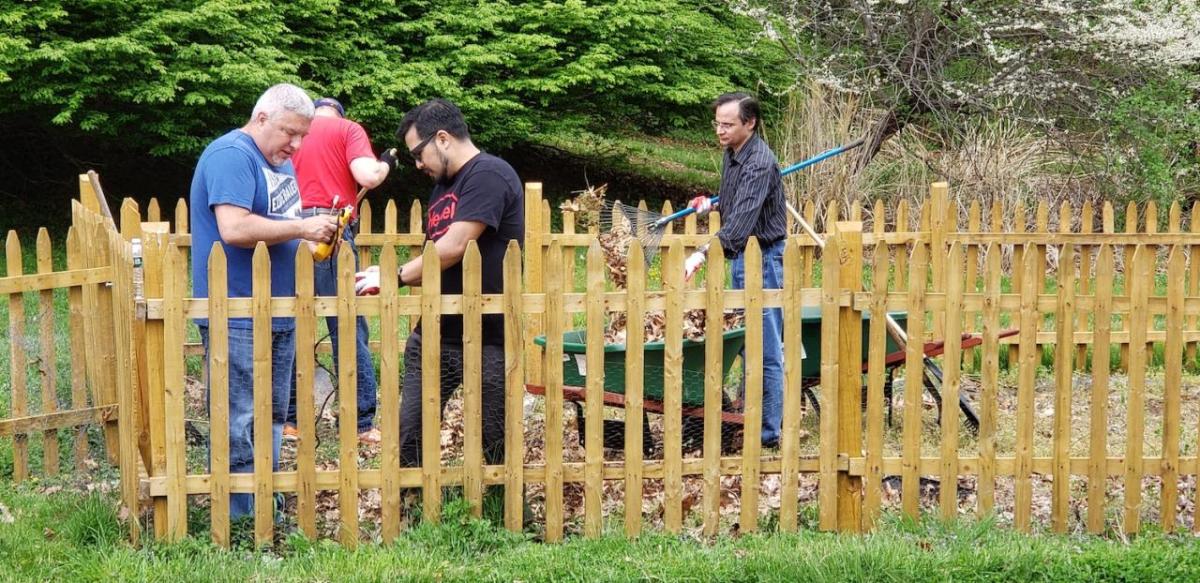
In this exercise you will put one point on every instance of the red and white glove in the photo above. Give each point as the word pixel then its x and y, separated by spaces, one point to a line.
pixel 693 263
pixel 701 204
pixel 366 282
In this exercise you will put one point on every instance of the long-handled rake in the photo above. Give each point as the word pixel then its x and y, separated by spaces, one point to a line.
pixel 649 226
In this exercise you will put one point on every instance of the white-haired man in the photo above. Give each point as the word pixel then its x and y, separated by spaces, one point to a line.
pixel 244 191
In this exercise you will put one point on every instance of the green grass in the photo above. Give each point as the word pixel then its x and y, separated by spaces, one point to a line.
pixel 690 160
pixel 78 537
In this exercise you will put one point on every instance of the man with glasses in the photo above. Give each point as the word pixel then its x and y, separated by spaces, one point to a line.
pixel 752 204
pixel 476 197
pixel 334 161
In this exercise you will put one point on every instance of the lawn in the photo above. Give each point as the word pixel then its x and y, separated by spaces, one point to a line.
pixel 74 536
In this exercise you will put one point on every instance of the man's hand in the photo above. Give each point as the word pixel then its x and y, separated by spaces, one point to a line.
pixel 701 204
pixel 320 228
pixel 692 264
pixel 366 282
pixel 389 157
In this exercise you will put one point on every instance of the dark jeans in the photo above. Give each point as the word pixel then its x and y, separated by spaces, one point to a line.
pixel 241 402
pixel 772 403
pixel 492 398
pixel 325 284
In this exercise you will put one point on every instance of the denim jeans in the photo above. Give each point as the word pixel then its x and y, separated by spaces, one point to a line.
pixel 772 270
pixel 325 284
pixel 241 402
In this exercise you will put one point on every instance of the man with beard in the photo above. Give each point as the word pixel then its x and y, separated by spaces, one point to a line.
pixel 476 197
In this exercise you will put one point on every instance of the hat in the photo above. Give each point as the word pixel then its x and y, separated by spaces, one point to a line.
pixel 330 102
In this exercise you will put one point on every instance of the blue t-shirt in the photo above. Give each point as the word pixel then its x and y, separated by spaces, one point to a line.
pixel 233 171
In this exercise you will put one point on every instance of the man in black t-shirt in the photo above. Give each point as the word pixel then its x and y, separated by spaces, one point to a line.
pixel 476 197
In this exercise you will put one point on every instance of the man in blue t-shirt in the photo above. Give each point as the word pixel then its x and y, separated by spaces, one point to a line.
pixel 476 197
pixel 244 192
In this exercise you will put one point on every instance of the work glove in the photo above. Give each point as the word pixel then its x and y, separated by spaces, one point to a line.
pixel 693 263
pixel 366 282
pixel 701 204
pixel 389 157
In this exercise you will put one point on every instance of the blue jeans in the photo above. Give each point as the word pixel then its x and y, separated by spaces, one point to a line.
pixel 325 284
pixel 772 405
pixel 241 402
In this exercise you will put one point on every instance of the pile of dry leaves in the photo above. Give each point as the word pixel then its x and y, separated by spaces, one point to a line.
pixel 615 239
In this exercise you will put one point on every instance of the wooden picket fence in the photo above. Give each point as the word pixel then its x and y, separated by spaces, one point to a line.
pixel 1067 448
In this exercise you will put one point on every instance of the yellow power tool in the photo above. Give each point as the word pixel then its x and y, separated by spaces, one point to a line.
pixel 325 250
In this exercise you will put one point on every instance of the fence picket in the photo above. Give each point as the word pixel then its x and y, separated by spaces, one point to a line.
pixel 1173 376
pixel 914 372
pixel 1140 283
pixel 473 379
pixel 218 391
pixel 1064 321
pixel 389 391
pixel 19 363
pixel 594 404
pixel 1193 287
pixel 554 391
pixel 347 324
pixel 174 393
pixel 989 379
pixel 673 389
pixel 306 424
pixel 753 409
pixel 431 374
pixel 1086 217
pixel 263 392
pixel 713 385
pixel 1098 406
pixel 635 337
pixel 514 411
pixel 47 365
pixel 950 382
pixel 1026 378
pixel 827 494
pixel 79 390
pixel 875 378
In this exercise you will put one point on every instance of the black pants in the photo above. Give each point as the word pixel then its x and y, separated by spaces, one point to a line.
pixel 451 378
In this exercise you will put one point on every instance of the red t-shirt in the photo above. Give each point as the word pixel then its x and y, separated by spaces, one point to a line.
pixel 323 161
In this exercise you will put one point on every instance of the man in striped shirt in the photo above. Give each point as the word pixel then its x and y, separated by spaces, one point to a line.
pixel 752 205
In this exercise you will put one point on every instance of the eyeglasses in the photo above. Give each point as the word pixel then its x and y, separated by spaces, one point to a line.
pixel 416 152
pixel 723 125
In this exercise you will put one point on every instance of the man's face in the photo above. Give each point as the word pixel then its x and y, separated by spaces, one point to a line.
pixel 279 137
pixel 731 131
pixel 426 155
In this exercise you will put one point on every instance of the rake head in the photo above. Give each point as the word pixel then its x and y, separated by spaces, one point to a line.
pixel 623 220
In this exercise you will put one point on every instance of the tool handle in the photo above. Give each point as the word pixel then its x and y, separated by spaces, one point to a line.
pixel 680 214
pixel 822 156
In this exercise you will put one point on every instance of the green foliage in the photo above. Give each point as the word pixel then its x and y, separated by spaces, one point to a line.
pixel 1159 123
pixel 171 74
pixel 92 521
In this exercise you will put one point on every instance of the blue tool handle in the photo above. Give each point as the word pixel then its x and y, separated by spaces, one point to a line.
pixel 790 169
pixel 680 214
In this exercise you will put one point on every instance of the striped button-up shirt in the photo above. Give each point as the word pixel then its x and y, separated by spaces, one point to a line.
pixel 752 200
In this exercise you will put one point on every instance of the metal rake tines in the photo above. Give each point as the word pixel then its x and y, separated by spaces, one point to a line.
pixel 621 219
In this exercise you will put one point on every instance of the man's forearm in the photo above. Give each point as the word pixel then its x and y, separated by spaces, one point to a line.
pixel 248 230
pixel 449 253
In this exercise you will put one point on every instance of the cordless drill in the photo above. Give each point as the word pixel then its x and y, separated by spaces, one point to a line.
pixel 325 250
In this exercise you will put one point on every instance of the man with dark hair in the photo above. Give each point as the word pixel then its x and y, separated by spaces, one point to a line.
pixel 752 204
pixel 334 161
pixel 476 197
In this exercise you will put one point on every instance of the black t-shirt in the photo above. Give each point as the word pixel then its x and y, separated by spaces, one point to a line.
pixel 485 190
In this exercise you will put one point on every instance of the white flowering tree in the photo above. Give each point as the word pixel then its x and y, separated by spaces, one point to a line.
pixel 1061 64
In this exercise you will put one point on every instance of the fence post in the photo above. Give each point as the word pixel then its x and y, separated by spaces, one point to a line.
pixel 849 393
pixel 153 248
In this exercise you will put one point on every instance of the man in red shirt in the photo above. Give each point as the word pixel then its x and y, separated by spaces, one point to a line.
pixel 334 161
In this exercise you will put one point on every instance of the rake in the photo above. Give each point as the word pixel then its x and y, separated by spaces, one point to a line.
pixel 649 226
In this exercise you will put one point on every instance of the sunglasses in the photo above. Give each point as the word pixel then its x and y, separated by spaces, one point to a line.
pixel 420 147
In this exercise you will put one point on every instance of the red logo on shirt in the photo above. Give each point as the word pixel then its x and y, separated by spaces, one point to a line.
pixel 441 215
